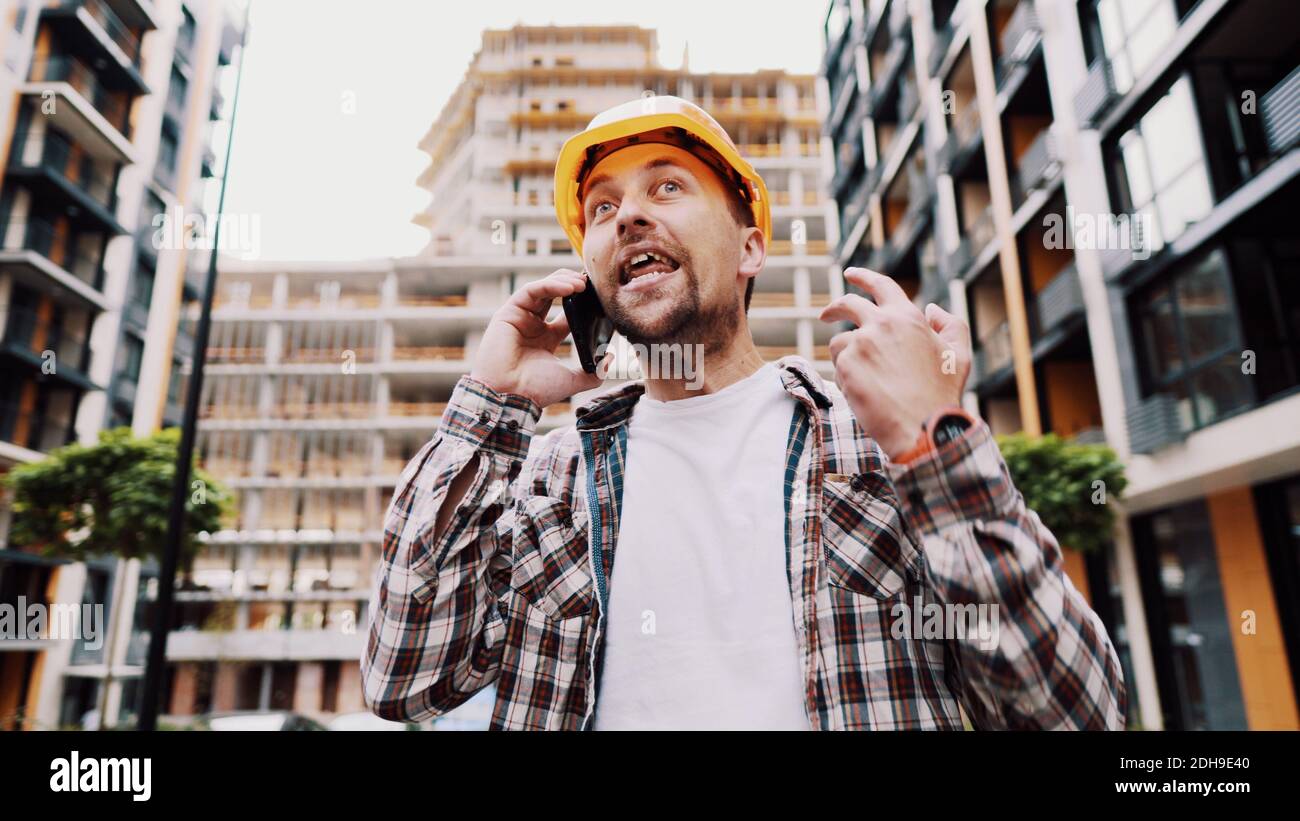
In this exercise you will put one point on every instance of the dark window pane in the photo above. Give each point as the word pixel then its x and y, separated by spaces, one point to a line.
pixel 1205 302
pixel 1208 692
pixel 1221 388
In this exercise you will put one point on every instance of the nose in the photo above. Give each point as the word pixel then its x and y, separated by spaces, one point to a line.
pixel 633 217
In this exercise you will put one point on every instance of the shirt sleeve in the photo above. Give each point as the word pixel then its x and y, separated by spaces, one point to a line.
pixel 1050 663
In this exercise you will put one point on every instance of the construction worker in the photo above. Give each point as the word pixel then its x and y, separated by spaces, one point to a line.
pixel 763 550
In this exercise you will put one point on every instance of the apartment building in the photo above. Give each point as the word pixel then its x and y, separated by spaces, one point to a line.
pixel 985 152
pixel 110 117
pixel 325 379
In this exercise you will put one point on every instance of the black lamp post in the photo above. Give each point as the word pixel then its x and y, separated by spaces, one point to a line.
pixel 156 664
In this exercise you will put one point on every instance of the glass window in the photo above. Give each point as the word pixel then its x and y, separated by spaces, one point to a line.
pixel 1161 166
pixel 1200 689
pixel 1190 334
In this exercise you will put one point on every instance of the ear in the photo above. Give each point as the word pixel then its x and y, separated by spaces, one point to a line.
pixel 753 252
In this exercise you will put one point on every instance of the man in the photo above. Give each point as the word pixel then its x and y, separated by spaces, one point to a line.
pixel 746 555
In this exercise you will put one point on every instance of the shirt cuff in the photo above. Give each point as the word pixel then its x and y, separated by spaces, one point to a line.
pixel 501 423
pixel 962 481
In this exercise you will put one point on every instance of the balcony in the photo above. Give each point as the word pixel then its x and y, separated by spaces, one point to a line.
pixel 1039 165
pixel 910 224
pixel 943 38
pixel 41 236
pixel 883 82
pixel 54 349
pixel 1154 424
pixel 992 354
pixel 96 31
pixel 407 353
pixel 1018 41
pixel 1060 300
pixel 96 117
pixel 60 176
pixel 1279 109
pixel 964 136
pixel 37 432
pixel 1098 94
pixel 973 241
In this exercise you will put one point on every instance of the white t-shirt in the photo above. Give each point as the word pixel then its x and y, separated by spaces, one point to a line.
pixel 700 628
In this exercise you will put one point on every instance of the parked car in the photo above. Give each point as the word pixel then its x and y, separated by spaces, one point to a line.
pixel 257 720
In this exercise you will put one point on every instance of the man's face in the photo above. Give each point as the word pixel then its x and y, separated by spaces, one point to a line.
pixel 663 200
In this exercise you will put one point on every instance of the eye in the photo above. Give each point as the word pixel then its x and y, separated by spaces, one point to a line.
pixel 676 186
pixel 596 212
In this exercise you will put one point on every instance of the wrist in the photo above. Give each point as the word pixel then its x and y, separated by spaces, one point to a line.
pixel 942 426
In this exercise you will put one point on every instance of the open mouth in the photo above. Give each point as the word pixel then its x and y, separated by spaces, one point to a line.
pixel 647 266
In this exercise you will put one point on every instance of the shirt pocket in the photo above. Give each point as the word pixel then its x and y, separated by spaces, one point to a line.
pixel 866 548
pixel 551 568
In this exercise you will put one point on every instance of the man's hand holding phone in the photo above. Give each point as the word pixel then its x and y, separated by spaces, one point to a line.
pixel 517 353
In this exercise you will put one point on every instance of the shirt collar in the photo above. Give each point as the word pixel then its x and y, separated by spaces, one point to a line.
pixel 614 408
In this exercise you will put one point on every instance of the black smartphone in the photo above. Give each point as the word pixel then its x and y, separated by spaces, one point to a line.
pixel 591 329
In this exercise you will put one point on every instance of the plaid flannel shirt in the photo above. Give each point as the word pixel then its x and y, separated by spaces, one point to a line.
pixel 515 591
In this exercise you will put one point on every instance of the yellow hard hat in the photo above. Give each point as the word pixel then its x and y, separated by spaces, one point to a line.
pixel 663 119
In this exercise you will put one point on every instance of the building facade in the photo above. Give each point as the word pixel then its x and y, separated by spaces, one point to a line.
pixel 1105 190
pixel 110 112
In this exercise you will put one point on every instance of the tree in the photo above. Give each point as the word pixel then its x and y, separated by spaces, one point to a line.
pixel 110 498
pixel 1069 485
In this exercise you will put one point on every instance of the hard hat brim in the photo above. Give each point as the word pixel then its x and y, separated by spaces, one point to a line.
pixel 573 155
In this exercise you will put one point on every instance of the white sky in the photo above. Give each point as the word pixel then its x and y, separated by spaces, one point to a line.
pixel 327 185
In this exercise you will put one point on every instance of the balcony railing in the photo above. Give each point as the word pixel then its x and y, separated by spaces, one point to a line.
pixel 1279 109
pixel 117 30
pixel 40 236
pixel 31 430
pixel 1060 299
pixel 57 155
pixel 1154 423
pixel 25 330
pixel 331 356
pixel 236 356
pixel 1020 36
pixel 416 408
pixel 1040 164
pixel 1097 95
pixel 424 301
pixel 63 68
pixel 977 236
pixel 784 247
pixel 439 352
pixel 965 129
pixel 993 353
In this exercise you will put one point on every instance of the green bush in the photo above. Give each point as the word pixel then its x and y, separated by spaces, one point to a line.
pixel 1070 486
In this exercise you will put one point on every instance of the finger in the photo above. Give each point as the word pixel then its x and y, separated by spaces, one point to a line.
pixel 558 329
pixel 852 308
pixel 838 343
pixel 536 297
pixel 884 290
pixel 949 327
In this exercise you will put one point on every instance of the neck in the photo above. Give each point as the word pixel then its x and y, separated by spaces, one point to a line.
pixel 711 371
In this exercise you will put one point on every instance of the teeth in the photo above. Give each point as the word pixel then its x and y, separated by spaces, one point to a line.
pixel 642 257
